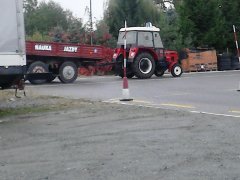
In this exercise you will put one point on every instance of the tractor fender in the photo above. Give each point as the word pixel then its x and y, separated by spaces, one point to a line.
pixel 138 51
pixel 171 66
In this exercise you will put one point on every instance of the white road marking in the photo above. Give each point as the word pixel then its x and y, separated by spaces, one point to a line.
pixel 142 101
pixel 151 104
pixel 178 105
pixel 172 94
pixel 215 114
pixel 235 111
pixel 160 106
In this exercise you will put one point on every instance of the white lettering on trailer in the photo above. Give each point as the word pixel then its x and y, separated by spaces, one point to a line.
pixel 40 47
pixel 70 49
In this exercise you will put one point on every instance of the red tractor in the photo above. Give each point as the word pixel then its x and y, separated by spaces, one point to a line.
pixel 145 54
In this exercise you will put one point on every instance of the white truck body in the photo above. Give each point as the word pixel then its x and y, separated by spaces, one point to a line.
pixel 12 42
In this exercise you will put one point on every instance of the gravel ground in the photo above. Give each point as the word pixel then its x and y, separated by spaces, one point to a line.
pixel 31 100
pixel 79 139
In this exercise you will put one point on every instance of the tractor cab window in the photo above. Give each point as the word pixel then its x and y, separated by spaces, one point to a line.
pixel 145 39
pixel 130 35
pixel 157 40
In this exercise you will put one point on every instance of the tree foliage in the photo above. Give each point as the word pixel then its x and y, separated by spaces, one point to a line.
pixel 135 12
pixel 30 6
pixel 209 22
pixel 50 22
pixel 229 16
pixel 44 17
pixel 183 23
pixel 198 19
pixel 164 3
pixel 169 24
pixel 102 35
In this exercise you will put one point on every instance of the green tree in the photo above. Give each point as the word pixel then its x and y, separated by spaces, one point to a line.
pixel 170 31
pixel 38 37
pixel 75 31
pixel 164 3
pixel 57 34
pixel 30 6
pixel 135 12
pixel 198 20
pixel 229 16
pixel 45 17
pixel 102 35
pixel 209 22
pixel 48 21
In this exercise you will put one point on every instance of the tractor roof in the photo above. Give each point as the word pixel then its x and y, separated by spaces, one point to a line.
pixel 148 29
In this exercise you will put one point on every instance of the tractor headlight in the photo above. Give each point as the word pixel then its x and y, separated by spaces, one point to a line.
pixel 115 55
pixel 132 54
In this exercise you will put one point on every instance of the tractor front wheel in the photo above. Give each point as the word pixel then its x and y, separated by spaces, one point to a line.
pixel 176 70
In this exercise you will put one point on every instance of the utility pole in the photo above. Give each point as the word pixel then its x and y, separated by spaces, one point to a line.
pixel 236 41
pixel 91 23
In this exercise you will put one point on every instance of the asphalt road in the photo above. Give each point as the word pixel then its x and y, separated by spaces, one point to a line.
pixel 209 92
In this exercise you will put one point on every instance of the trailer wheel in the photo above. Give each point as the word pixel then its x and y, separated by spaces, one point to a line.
pixel 68 72
pixel 176 70
pixel 144 66
pixel 37 67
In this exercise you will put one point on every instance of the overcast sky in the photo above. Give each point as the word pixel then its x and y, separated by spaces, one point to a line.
pixel 78 8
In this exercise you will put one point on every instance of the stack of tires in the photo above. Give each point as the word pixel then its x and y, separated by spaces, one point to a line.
pixel 224 62
pixel 235 63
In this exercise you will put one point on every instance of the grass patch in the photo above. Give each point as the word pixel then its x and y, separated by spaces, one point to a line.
pixel 25 110
pixel 34 104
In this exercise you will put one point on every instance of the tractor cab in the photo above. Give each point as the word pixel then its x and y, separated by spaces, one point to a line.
pixel 145 53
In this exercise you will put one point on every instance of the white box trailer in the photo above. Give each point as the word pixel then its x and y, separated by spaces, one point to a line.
pixel 12 43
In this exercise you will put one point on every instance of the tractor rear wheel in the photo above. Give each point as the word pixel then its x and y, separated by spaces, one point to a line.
pixel 144 66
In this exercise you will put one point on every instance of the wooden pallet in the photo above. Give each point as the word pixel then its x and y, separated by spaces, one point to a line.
pixel 208 70
pixel 200 61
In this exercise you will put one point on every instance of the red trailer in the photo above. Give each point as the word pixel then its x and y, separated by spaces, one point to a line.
pixel 48 60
